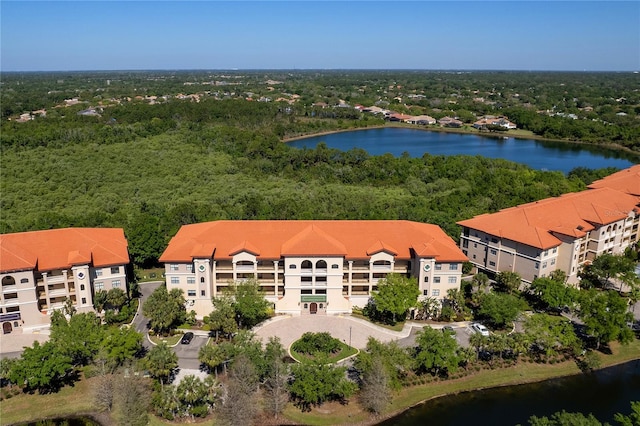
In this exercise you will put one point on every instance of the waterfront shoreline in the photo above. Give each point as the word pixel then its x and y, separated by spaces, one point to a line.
pixel 465 131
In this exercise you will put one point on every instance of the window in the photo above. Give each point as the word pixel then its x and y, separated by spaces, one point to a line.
pixel 306 306
pixel 492 263
pixel 335 266
pixel 494 240
pixel 202 280
pixel 475 245
pixel 321 291
pixel 98 272
pixel 84 300
pixel 438 266
pixel 191 293
pixel 175 280
pixel 190 267
pixel 425 292
pixel 173 267
pixel 435 292
pixel 306 264
pixel 436 280
pixel 115 270
pixel 13 309
pixel 306 292
pixel 99 286
pixel 544 264
pixel 553 261
pixel 321 279
pixel 202 293
pixel 306 280
pixel 426 279
pixel 292 266
pixel 191 280
pixel 321 264
pixel 494 252
pixel 24 280
pixel 453 280
pixel 537 265
pixel 546 252
pixel 82 287
pixel 321 306
pixel 453 266
pixel 115 284
pixel 555 250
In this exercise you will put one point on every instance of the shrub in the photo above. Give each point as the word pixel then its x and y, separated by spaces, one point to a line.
pixel 312 343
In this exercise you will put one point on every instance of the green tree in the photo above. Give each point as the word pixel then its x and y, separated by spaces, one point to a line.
pixel 131 401
pixel 100 300
pixel 192 393
pixel 549 334
pixel 79 337
pixel 397 362
pixel 553 294
pixel 161 361
pixel 507 282
pixel 564 418
pixel 165 309
pixel 212 356
pixel 315 383
pixel 121 344
pixel 249 303
pixel 633 419
pixel 436 352
pixel 116 298
pixel 42 367
pixel 605 316
pixel 146 242
pixel 500 309
pixel 396 295
pixel 222 318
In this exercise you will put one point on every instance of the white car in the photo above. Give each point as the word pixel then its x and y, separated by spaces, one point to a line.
pixel 479 328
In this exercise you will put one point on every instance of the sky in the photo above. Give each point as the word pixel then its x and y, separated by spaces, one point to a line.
pixel 356 34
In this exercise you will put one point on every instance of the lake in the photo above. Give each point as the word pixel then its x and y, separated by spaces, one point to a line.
pixel 536 154
pixel 603 393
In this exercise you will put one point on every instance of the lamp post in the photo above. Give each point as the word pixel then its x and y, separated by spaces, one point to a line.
pixel 349 335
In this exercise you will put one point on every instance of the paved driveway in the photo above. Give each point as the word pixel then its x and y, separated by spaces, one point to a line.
pixel 350 330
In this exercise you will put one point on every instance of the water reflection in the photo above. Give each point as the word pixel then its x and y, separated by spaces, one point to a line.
pixel 603 393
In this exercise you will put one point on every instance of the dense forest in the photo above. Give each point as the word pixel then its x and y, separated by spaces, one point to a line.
pixel 152 167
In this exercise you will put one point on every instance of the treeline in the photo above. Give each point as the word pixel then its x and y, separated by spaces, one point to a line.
pixel 152 185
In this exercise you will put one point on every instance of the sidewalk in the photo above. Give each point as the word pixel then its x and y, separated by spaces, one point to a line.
pixel 12 345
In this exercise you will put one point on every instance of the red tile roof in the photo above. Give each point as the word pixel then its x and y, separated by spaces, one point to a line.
pixel 627 180
pixel 570 214
pixel 349 238
pixel 62 249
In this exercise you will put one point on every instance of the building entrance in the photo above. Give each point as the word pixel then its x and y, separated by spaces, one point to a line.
pixel 6 328
pixel 313 308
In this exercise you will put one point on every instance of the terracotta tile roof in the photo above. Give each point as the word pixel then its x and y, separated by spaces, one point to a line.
pixel 352 239
pixel 570 214
pixel 62 248
pixel 627 180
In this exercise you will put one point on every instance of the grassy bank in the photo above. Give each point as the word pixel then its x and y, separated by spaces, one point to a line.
pixel 78 399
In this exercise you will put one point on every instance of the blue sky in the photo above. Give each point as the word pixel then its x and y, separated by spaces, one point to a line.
pixel 506 35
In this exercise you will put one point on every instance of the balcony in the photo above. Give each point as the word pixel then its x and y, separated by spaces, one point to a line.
pixel 56 279
pixel 245 268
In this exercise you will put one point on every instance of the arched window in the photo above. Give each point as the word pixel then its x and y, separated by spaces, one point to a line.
pixel 8 280
pixel 321 264
pixel 202 279
pixel 306 306
pixel 306 264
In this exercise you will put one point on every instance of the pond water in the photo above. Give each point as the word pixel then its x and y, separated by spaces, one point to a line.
pixel 603 394
pixel 536 154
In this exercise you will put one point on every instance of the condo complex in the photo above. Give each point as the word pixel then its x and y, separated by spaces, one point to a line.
pixel 320 267
pixel 563 233
pixel 40 270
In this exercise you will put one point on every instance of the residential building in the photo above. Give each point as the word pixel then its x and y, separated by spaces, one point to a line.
pixel 562 233
pixel 39 270
pixel 309 267
pixel 490 120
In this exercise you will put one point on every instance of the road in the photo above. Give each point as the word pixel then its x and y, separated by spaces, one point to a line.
pixel 140 322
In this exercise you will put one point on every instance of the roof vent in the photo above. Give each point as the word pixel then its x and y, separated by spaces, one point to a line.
pixel 580 228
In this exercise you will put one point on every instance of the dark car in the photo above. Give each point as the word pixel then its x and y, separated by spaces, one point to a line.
pixel 447 329
pixel 187 338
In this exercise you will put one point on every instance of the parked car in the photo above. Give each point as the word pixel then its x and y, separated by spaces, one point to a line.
pixel 447 329
pixel 479 328
pixel 187 338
